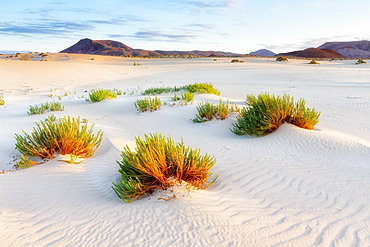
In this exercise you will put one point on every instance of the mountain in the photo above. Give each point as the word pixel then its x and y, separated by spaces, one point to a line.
pixel 352 49
pixel 106 47
pixel 314 53
pixel 115 48
pixel 263 52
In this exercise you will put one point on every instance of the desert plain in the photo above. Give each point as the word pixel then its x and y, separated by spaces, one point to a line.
pixel 293 187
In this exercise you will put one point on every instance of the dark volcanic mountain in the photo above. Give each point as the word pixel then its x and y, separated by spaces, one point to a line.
pixel 114 48
pixel 352 49
pixel 106 47
pixel 263 52
pixel 314 53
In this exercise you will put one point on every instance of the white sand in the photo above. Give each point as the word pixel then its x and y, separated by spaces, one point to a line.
pixel 293 187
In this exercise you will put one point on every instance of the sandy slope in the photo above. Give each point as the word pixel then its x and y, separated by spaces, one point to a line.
pixel 291 188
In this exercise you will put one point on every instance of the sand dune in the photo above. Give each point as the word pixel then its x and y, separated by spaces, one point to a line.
pixel 294 187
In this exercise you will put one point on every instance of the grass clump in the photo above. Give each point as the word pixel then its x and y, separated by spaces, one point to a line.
pixel 64 135
pixel 158 90
pixel 360 61
pixel 148 104
pixel 282 59
pixel 237 61
pixel 158 161
pixel 97 95
pixel 208 111
pixel 267 112
pixel 201 88
pixel 187 96
pixel 52 106
pixel 2 101
pixel 313 62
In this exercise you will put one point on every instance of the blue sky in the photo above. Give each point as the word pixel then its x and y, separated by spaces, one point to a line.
pixel 239 26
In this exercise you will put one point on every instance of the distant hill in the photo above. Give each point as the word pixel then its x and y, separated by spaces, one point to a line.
pixel 314 53
pixel 115 48
pixel 263 52
pixel 351 49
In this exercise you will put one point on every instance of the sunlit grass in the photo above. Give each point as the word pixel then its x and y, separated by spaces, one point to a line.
pixel 265 113
pixel 156 162
pixel 64 135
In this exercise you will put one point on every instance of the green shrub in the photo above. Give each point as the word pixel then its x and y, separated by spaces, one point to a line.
pixel 158 161
pixel 267 112
pixel 237 61
pixel 360 61
pixel 2 101
pixel 175 97
pixel 208 111
pixel 201 88
pixel 187 96
pixel 64 135
pixel 53 106
pixel 281 59
pixel 148 104
pixel 158 90
pixel 101 94
pixel 313 62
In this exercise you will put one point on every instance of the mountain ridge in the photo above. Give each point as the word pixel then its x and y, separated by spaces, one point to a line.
pixel 115 48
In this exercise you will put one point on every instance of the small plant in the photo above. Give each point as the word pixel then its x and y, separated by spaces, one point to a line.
pixel 156 163
pixel 313 62
pixel 187 96
pixel 2 101
pixel 148 104
pixel 25 162
pixel 64 135
pixel 53 106
pixel 237 61
pixel 101 94
pixel 360 61
pixel 201 88
pixel 175 97
pixel 282 59
pixel 208 111
pixel 137 64
pixel 158 90
pixel 267 112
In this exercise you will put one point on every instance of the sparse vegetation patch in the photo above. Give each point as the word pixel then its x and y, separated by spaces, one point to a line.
pixel 64 135
pixel 52 106
pixel 360 61
pixel 281 59
pixel 313 62
pixel 156 163
pixel 2 101
pixel 208 111
pixel 148 104
pixel 265 113
pixel 97 95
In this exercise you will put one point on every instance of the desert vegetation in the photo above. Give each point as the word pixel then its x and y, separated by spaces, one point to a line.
pixel 97 95
pixel 360 61
pixel 281 59
pixel 52 106
pixel 200 88
pixel 159 162
pixel 313 62
pixel 2 101
pixel 63 135
pixel 237 61
pixel 148 104
pixel 208 111
pixel 265 113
